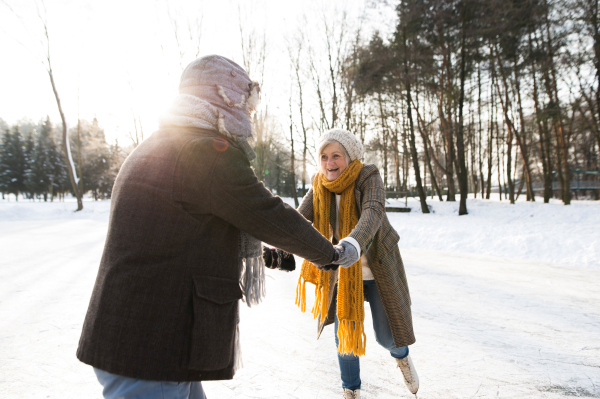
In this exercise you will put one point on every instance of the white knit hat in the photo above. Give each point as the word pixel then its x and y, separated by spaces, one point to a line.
pixel 350 142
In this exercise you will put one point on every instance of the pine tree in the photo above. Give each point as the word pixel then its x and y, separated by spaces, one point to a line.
pixel 95 161
pixel 40 171
pixel 12 163
pixel 4 151
pixel 28 149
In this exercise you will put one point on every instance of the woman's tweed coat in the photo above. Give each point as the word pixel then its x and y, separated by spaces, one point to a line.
pixel 378 239
pixel 165 303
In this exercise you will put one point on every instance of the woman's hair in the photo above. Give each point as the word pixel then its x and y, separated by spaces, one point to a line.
pixel 324 144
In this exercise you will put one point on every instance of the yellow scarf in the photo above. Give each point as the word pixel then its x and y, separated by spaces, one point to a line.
pixel 350 299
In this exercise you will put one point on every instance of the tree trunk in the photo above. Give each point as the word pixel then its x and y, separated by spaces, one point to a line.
pixel 384 141
pixel 596 36
pixel 460 143
pixel 65 144
pixel 447 130
pixel 293 158
pixel 304 133
pixel 542 131
pixel 427 148
pixel 413 146
pixel 561 141
pixel 521 139
pixel 509 128
pixel 480 131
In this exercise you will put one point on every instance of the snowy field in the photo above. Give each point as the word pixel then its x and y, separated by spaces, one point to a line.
pixel 506 304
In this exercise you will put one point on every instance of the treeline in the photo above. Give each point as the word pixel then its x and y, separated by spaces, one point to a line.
pixel 464 96
pixel 504 88
pixel 33 165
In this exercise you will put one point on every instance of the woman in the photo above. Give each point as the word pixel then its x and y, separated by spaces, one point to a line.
pixel 347 204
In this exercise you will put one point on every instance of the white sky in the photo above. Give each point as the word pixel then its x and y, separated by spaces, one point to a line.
pixel 114 58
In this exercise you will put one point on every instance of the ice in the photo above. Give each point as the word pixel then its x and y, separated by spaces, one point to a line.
pixel 505 305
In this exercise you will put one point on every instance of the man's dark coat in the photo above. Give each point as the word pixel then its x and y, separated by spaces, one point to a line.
pixel 165 302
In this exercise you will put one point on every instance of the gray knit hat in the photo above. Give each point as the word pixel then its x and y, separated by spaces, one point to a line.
pixel 350 142
pixel 227 87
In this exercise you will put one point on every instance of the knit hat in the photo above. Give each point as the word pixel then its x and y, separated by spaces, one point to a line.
pixel 226 87
pixel 350 142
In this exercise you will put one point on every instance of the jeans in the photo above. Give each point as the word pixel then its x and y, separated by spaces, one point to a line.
pixel 350 364
pixel 118 387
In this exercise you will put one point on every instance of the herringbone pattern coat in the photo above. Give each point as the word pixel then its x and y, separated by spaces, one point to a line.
pixel 378 239
pixel 165 303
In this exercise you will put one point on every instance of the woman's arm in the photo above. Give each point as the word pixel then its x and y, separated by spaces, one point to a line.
pixel 306 206
pixel 373 211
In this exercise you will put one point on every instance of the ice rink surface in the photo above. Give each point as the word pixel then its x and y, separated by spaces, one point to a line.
pixel 487 325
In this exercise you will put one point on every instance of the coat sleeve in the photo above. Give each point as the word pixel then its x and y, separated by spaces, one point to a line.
pixel 373 212
pixel 236 196
pixel 306 206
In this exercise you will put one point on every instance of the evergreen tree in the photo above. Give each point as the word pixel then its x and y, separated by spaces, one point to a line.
pixel 59 176
pixel 95 161
pixel 4 151
pixel 12 163
pixel 40 172
pixel 28 148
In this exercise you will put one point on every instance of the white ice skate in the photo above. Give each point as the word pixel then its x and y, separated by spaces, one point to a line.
pixel 409 373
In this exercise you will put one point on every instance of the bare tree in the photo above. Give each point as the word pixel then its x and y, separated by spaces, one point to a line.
pixel 65 134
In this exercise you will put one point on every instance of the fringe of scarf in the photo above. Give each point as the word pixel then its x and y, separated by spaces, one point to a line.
pixel 350 297
pixel 252 283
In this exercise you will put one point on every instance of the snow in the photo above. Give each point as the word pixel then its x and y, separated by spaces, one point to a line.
pixel 547 232
pixel 505 304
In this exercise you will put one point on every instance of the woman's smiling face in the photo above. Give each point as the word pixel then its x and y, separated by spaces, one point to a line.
pixel 333 161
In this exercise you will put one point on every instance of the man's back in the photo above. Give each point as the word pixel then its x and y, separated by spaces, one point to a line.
pixel 165 302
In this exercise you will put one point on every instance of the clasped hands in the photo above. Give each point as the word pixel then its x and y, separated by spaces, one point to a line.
pixel 345 255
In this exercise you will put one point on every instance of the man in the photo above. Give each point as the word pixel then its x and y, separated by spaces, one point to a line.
pixel 186 210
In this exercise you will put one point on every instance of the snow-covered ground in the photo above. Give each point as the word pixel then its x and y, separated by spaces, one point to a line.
pixel 506 304
pixel 547 232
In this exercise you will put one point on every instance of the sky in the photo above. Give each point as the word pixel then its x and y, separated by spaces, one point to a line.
pixel 119 60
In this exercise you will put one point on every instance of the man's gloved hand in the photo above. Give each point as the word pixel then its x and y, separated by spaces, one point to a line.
pixel 345 256
pixel 277 259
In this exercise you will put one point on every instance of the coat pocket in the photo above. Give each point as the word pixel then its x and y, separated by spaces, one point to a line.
pixel 389 237
pixel 215 316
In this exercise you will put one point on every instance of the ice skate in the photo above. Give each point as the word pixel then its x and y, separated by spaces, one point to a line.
pixel 350 394
pixel 409 373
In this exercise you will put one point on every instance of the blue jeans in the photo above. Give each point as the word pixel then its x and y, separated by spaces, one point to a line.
pixel 118 387
pixel 350 364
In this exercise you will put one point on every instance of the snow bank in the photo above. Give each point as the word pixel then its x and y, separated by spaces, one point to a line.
pixel 29 210
pixel 536 231
pixel 545 232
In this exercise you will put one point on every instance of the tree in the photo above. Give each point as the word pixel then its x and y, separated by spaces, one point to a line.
pixel 40 178
pixel 13 163
pixel 406 31
pixel 65 135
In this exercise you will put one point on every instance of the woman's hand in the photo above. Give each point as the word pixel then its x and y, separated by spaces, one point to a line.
pixel 345 256
pixel 277 259
pixel 348 254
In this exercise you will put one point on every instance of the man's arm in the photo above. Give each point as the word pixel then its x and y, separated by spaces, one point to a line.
pixel 236 196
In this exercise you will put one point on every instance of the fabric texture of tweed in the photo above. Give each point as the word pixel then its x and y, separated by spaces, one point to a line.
pixel 379 240
pixel 350 298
